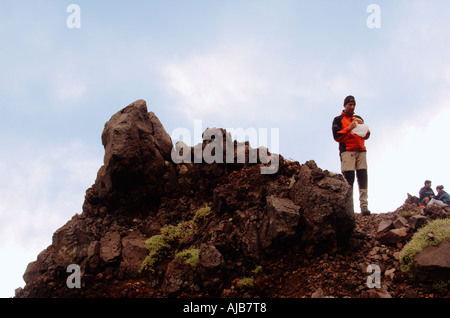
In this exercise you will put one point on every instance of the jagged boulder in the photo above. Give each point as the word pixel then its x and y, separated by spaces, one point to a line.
pixel 178 274
pixel 393 236
pixel 210 268
pixel 433 263
pixel 137 168
pixel 326 209
pixel 133 253
pixel 417 221
pixel 384 226
pixel 280 222
pixel 110 247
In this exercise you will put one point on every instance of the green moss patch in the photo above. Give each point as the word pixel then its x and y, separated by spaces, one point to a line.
pixel 431 234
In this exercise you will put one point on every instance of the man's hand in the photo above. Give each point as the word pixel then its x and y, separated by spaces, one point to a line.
pixel 351 126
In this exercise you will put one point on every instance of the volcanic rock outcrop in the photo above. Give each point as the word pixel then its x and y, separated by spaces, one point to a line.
pixel 140 190
pixel 136 172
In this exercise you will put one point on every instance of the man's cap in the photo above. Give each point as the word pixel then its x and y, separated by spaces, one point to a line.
pixel 349 99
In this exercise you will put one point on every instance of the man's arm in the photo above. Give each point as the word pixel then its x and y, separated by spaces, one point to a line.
pixel 338 133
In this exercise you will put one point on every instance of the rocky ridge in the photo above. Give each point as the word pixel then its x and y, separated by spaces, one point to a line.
pixel 288 234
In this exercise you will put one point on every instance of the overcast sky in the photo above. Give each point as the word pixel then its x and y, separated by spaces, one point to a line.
pixel 285 64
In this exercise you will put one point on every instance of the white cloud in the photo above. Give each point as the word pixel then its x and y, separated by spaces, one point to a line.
pixel 409 147
pixel 357 78
pixel 68 91
pixel 223 82
pixel 14 262
pixel 406 155
pixel 41 188
pixel 419 41
pixel 257 82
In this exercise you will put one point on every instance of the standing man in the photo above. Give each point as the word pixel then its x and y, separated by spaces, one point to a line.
pixel 352 150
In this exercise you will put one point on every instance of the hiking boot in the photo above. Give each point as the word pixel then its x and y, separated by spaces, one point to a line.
pixel 365 212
